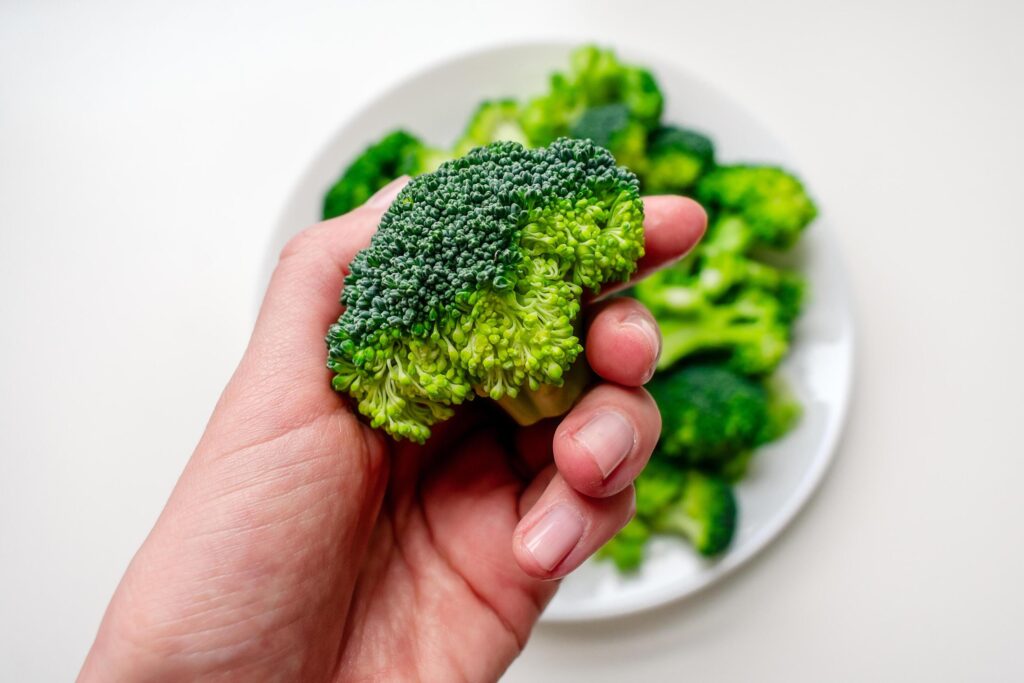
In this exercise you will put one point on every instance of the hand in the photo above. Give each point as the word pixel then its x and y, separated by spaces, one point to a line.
pixel 299 544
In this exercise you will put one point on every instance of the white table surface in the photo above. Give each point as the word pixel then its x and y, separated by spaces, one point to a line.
pixel 147 148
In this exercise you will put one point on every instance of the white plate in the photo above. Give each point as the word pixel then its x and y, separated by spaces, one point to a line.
pixel 435 105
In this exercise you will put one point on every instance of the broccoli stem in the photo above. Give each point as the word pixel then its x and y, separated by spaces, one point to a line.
pixel 529 406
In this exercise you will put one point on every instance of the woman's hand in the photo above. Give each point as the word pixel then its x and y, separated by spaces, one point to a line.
pixel 301 545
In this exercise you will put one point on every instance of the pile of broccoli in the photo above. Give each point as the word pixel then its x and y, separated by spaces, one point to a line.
pixel 726 312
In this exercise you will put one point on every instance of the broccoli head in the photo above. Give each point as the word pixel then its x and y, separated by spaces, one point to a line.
pixel 677 158
pixel 771 203
pixel 683 502
pixel 704 512
pixel 396 154
pixel 611 127
pixel 596 77
pixel 713 418
pixel 709 413
pixel 472 284
pixel 493 121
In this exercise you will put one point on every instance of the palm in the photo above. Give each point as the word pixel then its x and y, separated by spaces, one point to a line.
pixel 440 584
pixel 298 545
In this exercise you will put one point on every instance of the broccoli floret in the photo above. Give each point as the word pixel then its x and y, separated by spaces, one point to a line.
pixel 704 513
pixel 472 284
pixel 677 158
pixel 686 502
pixel 784 411
pixel 493 121
pixel 611 127
pixel 748 331
pixel 721 302
pixel 709 413
pixel 773 204
pixel 626 548
pixel 396 154
pixel 596 77
pixel 732 308
pixel 714 418
pixel 676 501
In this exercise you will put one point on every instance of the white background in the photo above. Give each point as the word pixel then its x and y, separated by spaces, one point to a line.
pixel 146 150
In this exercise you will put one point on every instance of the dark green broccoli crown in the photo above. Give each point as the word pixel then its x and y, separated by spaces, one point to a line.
pixel 396 154
pixel 677 157
pixel 674 140
pixel 474 276
pixel 709 413
pixel 612 127
pixel 602 124
pixel 706 513
pixel 770 200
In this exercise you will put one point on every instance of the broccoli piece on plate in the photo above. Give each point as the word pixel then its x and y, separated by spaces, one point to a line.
pixel 472 284
pixel 749 331
pixel 771 203
pixel 713 417
pixel 704 512
pixel 596 77
pixel 725 306
pixel 396 154
pixel 626 548
pixel 719 301
pixel 493 121
pixel 682 502
pixel 611 127
pixel 677 158
pixel 709 413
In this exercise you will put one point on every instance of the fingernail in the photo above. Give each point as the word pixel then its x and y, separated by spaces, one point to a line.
pixel 552 538
pixel 383 197
pixel 608 437
pixel 648 329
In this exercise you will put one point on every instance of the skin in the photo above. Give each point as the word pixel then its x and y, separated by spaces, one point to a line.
pixel 299 544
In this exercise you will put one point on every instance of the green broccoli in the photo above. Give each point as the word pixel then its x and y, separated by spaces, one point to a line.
pixel 493 121
pixel 714 417
pixel 724 306
pixel 772 204
pixel 472 284
pixel 683 502
pixel 611 127
pixel 704 512
pixel 719 301
pixel 709 413
pixel 750 332
pixel 396 154
pixel 626 548
pixel 596 77
pixel 677 158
